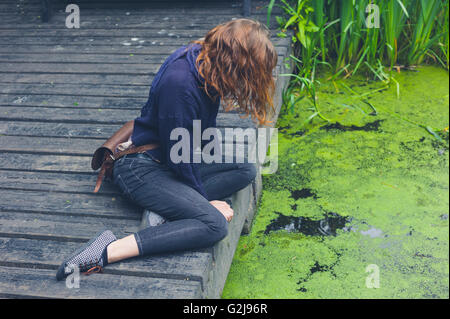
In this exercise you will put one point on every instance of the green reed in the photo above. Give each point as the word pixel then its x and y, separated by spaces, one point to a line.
pixel 335 31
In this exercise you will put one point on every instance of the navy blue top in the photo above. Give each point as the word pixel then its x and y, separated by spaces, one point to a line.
pixel 176 98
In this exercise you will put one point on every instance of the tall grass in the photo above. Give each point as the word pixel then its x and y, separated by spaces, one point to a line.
pixel 335 31
pixel 443 45
pixel 426 13
pixel 393 18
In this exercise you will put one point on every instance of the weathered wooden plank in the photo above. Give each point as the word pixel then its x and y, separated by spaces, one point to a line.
pixel 122 79
pixel 132 37
pixel 168 5
pixel 71 101
pixel 111 13
pixel 63 228
pixel 49 254
pixel 51 163
pixel 167 18
pixel 30 18
pixel 81 95
pixel 116 4
pixel 82 79
pixel 53 145
pixel 68 115
pixel 164 22
pixel 53 182
pixel 78 89
pixel 150 40
pixel 97 49
pixel 82 58
pixel 27 14
pixel 151 51
pixel 138 58
pixel 44 129
pixel 32 283
pixel 146 11
pixel 79 68
pixel 33 16
pixel 58 178
pixel 74 204
pixel 106 33
pixel 100 116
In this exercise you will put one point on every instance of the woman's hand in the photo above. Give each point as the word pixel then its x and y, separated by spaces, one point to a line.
pixel 224 208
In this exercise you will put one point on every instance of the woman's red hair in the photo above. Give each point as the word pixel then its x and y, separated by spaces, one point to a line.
pixel 237 60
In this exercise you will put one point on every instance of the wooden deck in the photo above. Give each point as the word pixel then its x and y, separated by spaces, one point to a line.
pixel 62 93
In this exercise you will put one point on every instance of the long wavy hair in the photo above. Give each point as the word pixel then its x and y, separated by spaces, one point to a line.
pixel 237 60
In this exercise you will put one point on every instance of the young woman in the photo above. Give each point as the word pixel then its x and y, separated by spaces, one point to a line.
pixel 232 64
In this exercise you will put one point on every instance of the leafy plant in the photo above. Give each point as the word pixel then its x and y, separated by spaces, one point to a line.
pixel 410 32
pixel 426 13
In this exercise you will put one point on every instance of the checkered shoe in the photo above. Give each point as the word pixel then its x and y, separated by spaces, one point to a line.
pixel 88 258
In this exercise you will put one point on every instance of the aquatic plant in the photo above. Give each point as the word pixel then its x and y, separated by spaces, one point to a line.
pixel 443 44
pixel 409 32
pixel 426 13
pixel 340 35
pixel 363 190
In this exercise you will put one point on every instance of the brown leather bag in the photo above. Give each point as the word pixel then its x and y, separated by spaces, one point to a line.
pixel 106 154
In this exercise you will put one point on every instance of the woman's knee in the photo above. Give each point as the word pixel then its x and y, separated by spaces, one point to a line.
pixel 222 230
pixel 249 170
pixel 218 226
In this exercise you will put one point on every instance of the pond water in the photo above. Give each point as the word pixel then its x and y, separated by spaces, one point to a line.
pixel 368 191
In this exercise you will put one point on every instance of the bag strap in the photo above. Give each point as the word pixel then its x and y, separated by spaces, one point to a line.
pixel 120 136
pixel 109 159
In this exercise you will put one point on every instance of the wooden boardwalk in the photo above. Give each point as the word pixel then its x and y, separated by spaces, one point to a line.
pixel 62 93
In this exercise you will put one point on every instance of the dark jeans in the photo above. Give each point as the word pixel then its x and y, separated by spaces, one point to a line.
pixel 192 222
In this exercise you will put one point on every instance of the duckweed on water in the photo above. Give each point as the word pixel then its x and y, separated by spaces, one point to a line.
pixel 387 180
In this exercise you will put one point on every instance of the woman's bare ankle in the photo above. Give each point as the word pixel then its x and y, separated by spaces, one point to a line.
pixel 122 249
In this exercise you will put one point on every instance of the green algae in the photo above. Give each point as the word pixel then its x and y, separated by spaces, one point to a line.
pixel 389 177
